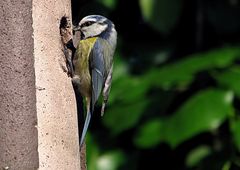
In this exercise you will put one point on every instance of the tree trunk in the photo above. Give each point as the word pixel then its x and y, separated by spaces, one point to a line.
pixel 38 114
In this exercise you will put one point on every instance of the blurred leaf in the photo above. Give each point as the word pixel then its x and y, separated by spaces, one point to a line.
pixel 120 68
pixel 230 79
pixel 127 100
pixel 227 166
pixel 124 116
pixel 92 152
pixel 162 15
pixel 182 73
pixel 196 155
pixel 97 161
pixel 150 134
pixel 110 161
pixel 128 89
pixel 120 79
pixel 236 132
pixel 203 112
pixel 111 4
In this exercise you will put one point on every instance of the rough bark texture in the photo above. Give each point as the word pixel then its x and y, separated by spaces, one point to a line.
pixel 56 108
pixel 38 120
pixel 18 116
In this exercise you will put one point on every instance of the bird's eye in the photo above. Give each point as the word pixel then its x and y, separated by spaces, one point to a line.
pixel 86 24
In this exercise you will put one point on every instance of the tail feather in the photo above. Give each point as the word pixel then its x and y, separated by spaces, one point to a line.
pixel 85 127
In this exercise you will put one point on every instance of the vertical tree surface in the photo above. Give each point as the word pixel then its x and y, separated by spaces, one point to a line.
pixel 18 116
pixel 38 120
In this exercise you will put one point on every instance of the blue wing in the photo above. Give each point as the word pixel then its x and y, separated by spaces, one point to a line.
pixel 97 66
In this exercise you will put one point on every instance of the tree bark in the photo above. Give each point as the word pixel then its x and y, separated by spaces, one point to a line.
pixel 18 115
pixel 38 114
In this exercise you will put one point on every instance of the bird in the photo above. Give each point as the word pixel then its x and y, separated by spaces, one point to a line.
pixel 93 63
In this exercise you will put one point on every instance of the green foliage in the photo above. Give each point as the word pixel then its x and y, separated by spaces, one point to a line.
pixel 227 166
pixel 162 15
pixel 125 117
pixel 132 90
pixel 176 79
pixel 150 134
pixel 110 160
pixel 93 153
pixel 197 154
pixel 183 72
pixel 111 4
pixel 229 79
pixel 203 112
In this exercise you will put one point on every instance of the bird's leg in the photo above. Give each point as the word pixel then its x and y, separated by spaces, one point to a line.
pixel 66 37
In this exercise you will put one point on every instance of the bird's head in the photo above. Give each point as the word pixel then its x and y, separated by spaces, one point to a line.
pixel 94 25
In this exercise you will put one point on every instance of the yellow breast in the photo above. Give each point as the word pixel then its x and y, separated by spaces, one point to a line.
pixel 81 58
pixel 81 65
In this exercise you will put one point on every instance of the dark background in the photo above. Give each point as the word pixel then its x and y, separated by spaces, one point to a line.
pixel 174 102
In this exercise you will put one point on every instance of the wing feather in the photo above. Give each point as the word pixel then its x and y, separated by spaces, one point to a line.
pixel 97 66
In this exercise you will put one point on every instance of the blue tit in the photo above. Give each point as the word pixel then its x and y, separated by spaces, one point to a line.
pixel 93 62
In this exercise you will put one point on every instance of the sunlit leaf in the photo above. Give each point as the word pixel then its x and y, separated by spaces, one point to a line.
pixel 110 161
pixel 128 89
pixel 203 112
pixel 196 155
pixel 111 4
pixel 124 116
pixel 183 72
pixel 107 161
pixel 230 79
pixel 150 134
pixel 227 166
pixel 162 15
pixel 120 68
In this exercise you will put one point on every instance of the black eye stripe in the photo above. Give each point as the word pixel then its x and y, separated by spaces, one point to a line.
pixel 102 23
pixel 86 24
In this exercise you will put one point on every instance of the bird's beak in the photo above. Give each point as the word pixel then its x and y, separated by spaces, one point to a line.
pixel 76 28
